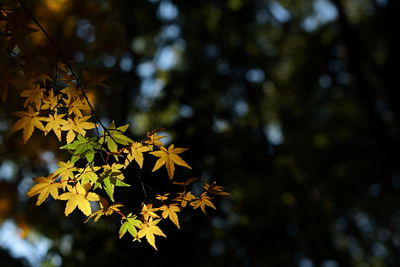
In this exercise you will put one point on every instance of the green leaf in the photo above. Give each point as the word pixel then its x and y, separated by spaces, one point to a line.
pixel 109 188
pixel 130 225
pixel 75 159
pixel 119 182
pixel 89 176
pixel 115 135
pixel 89 155
pixel 110 180
pixel 83 147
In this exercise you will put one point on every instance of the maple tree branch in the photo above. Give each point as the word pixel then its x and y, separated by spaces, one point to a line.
pixel 121 214
pixel 71 69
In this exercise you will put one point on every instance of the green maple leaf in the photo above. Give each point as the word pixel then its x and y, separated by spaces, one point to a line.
pixel 130 224
pixel 115 136
pixel 83 147
pixel 88 174
pixel 110 178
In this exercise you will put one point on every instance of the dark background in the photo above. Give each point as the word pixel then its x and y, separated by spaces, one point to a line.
pixel 292 105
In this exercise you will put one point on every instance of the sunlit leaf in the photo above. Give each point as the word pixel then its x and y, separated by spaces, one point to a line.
pixel 29 120
pixel 169 158
pixel 149 229
pixel 78 196
pixel 169 211
pixel 44 186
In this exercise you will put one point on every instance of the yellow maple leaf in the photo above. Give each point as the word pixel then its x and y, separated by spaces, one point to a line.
pixel 135 152
pixel 79 196
pixel 50 101
pixel 149 229
pixel 169 158
pixel 29 120
pixel 184 198
pixel 153 139
pixel 44 186
pixel 169 211
pixel 34 95
pixel 202 202
pixel 66 171
pixel 149 212
pixel 79 125
pixel 76 105
pixel 71 89
pixel 105 209
pixel 54 123
pixel 115 169
pixel 162 197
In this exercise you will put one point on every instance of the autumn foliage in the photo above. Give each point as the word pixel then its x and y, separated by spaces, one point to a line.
pixel 56 103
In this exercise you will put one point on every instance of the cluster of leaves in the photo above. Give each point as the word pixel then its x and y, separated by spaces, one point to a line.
pixel 55 102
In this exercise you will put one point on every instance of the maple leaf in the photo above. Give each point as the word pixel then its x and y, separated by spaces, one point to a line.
pixel 135 152
pixel 79 125
pixel 76 105
pixel 88 175
pixel 29 120
pixel 79 196
pixel 34 95
pixel 153 139
pixel 169 158
pixel 50 101
pixel 66 171
pixel 70 90
pixel 184 198
pixel 115 135
pixel 149 212
pixel 44 186
pixel 130 224
pixel 115 170
pixel 162 197
pixel 202 202
pixel 83 146
pixel 104 210
pixel 170 212
pixel 149 229
pixel 215 189
pixel 54 123
pixel 111 177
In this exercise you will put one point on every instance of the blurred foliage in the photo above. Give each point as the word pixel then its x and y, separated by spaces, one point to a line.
pixel 291 104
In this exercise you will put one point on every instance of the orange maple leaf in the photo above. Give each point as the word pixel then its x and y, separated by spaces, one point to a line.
pixel 202 202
